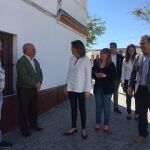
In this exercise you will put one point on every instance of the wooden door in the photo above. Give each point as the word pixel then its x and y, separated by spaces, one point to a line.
pixel 7 61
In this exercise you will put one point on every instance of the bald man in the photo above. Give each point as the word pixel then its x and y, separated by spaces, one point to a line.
pixel 29 80
pixel 141 74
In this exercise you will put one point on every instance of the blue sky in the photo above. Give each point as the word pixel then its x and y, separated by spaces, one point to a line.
pixel 121 26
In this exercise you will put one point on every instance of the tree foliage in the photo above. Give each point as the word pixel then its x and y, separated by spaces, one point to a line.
pixel 143 13
pixel 96 28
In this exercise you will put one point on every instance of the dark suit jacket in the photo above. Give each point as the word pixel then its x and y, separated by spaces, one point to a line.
pixel 136 73
pixel 27 77
pixel 96 62
pixel 119 61
pixel 108 82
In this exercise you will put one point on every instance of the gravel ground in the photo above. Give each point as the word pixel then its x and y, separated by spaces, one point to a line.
pixel 57 120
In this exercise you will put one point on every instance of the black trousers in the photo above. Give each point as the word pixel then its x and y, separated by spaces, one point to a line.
pixel 115 94
pixel 27 108
pixel 143 98
pixel 129 98
pixel 75 99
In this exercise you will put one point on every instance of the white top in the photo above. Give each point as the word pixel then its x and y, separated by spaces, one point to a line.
pixel 126 70
pixel 92 62
pixel 114 58
pixel 2 79
pixel 31 61
pixel 79 75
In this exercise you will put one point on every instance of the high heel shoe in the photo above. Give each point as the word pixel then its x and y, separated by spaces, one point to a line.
pixel 97 127
pixel 84 135
pixel 136 117
pixel 70 133
pixel 129 117
pixel 106 129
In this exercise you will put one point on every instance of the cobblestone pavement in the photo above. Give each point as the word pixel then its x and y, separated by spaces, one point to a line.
pixel 57 120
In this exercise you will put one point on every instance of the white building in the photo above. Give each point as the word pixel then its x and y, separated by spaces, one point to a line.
pixel 50 25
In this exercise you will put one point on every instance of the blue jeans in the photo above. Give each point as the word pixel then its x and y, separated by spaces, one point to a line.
pixel 102 105
pixel 1 103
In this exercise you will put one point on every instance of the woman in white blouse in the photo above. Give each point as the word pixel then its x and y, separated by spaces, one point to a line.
pixel 78 85
pixel 126 72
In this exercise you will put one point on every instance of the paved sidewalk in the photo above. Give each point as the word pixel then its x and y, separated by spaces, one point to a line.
pixel 57 120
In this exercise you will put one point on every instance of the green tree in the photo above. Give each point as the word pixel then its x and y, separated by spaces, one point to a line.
pixel 96 28
pixel 143 13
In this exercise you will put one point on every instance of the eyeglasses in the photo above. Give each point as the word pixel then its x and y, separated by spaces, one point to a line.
pixel 111 47
pixel 142 43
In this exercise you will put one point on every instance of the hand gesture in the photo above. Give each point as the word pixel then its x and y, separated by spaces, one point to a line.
pixel 65 91
pixel 38 85
pixel 100 75
pixel 87 94
pixel 129 91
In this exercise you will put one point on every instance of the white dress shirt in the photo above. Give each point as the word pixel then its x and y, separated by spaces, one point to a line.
pixel 92 60
pixel 145 68
pixel 2 80
pixel 79 75
pixel 114 58
pixel 126 70
pixel 31 61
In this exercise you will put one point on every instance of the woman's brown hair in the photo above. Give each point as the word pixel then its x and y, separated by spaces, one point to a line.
pixel 79 46
pixel 127 56
pixel 108 53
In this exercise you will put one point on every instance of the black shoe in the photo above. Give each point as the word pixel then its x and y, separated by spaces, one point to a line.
pixel 37 129
pixel 117 110
pixel 5 144
pixel 129 117
pixel 26 133
pixel 84 135
pixel 136 117
pixel 70 133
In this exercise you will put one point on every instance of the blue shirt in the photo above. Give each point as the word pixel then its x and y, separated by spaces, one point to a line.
pixel 145 67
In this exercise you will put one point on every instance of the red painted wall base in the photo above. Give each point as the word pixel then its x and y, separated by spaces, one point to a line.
pixel 47 98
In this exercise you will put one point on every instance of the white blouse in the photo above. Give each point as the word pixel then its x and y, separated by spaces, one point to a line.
pixel 79 75
pixel 126 70
pixel 114 58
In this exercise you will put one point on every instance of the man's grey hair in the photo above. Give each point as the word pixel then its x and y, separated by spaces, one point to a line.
pixel 146 37
pixel 25 46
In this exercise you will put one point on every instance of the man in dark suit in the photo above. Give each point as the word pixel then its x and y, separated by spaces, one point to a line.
pixel 140 76
pixel 29 80
pixel 117 59
pixel 96 60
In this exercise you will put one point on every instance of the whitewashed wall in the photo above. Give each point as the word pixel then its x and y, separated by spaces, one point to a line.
pixel 50 5
pixel 76 9
pixel 50 38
